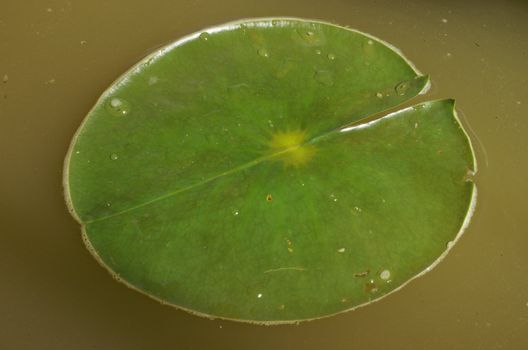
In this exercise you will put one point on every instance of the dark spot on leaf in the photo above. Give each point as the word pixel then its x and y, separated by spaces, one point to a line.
pixel 371 287
pixel 362 274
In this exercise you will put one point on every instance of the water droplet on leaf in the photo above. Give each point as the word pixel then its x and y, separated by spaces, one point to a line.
pixel 368 47
pixel 153 80
pixel 263 52
pixel 402 87
pixel 118 107
pixel 309 37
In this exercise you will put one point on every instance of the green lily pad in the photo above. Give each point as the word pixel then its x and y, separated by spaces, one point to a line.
pixel 247 172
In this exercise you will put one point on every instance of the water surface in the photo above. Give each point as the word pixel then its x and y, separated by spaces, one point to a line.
pixel 57 57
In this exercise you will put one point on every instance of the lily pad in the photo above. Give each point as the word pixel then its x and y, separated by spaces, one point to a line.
pixel 252 172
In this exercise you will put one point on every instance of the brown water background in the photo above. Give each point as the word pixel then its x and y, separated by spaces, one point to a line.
pixel 57 57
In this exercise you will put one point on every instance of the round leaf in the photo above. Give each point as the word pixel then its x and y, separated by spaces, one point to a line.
pixel 244 172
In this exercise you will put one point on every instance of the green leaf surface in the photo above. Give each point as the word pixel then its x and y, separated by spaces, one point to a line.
pixel 245 172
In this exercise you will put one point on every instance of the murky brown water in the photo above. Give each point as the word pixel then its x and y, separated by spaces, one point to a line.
pixel 56 57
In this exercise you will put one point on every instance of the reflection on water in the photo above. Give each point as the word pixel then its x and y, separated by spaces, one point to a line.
pixel 57 57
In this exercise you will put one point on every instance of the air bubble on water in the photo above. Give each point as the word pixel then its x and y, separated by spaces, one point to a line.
pixel 270 123
pixel 318 52
pixel 331 56
pixel 77 152
pixel 444 20
pixel 333 197
pixel 324 77
pixel 204 36
pixel 385 275
pixel 263 52
pixel 259 295
pixel 235 212
pixel 341 250
pixel 402 87
pixel 114 156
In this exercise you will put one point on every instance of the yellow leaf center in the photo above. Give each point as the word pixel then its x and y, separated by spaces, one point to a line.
pixel 290 147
